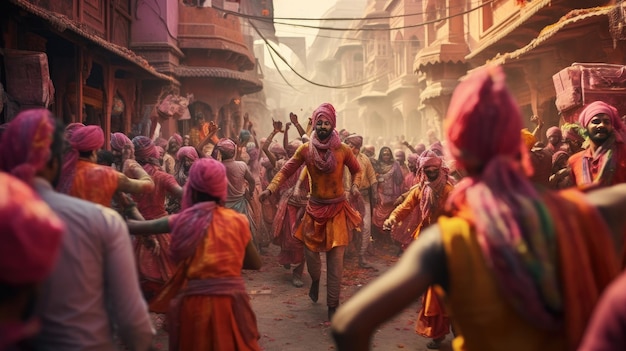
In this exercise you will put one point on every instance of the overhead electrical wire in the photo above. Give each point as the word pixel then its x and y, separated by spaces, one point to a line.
pixel 345 86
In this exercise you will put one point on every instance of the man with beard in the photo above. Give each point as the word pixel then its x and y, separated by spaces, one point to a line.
pixel 169 159
pixel 429 197
pixel 329 218
pixel 604 161
pixel 94 284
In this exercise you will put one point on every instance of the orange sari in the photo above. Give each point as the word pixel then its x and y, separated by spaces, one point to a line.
pixel 95 183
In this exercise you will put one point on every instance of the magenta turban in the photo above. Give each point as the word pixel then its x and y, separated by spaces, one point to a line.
pixel 483 120
pixel 187 151
pixel 83 139
pixel 596 108
pixel 70 128
pixel 30 232
pixel 25 146
pixel 144 149
pixel 119 140
pixel 554 131
pixel 355 140
pixel 208 176
pixel 325 110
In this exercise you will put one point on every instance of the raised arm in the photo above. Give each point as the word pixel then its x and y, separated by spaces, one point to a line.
pixel 278 128
pixel 422 264
pixel 294 120
pixel 210 138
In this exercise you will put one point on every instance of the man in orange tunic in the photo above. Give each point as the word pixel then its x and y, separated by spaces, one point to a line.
pixel 82 177
pixel 521 269
pixel 329 218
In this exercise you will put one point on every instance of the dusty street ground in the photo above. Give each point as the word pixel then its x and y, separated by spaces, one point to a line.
pixel 288 320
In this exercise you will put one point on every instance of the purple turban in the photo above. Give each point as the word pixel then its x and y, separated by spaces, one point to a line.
pixel 25 146
pixel 325 110
pixel 30 231
pixel 187 151
pixel 119 140
pixel 83 139
pixel 208 176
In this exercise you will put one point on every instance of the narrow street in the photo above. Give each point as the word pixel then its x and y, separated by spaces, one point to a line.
pixel 288 320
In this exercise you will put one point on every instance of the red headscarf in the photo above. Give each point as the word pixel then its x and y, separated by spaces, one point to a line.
pixel 83 139
pixel 25 147
pixel 30 232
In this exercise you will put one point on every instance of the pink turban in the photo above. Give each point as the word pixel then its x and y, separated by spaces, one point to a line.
pixel 177 138
pixel 292 147
pixel 119 140
pixel 160 151
pixel 596 108
pixel 355 140
pixel 483 120
pixel 325 110
pixel 144 149
pixel 227 147
pixel 187 151
pixel 208 176
pixel 554 131
pixel 25 146
pixel 30 232
pixel 429 159
pixel 83 139
pixel 278 150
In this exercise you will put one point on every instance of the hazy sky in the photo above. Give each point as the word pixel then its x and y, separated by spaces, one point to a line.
pixel 300 8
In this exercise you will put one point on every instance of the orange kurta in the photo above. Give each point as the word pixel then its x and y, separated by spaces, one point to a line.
pixel 483 315
pixel 95 183
pixel 208 322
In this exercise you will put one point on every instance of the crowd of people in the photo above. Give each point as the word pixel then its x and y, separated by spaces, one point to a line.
pixel 510 243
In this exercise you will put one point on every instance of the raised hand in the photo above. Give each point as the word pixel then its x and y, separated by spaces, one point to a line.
pixel 287 125
pixel 278 126
pixel 293 118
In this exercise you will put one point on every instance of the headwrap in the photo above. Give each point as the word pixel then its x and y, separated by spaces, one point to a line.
pixel 483 126
pixel 554 131
pixel 145 150
pixel 25 146
pixel 160 151
pixel 278 150
pixel 176 138
pixel 206 176
pixel 355 140
pixel 399 153
pixel 420 148
pixel 119 140
pixel 70 128
pixel 412 158
pixel 30 231
pixel 528 139
pixel 187 151
pixel 190 225
pixel 244 134
pixel 325 110
pixel 87 138
pixel 573 131
pixel 431 190
pixel 429 159
pixel 596 108
pixel 227 147
pixel 558 155
pixel 292 147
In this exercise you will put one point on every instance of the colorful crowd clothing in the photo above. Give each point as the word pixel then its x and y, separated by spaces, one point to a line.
pixel 154 270
pixel 95 183
pixel 390 181
pixel 606 166
pixel 237 189
pixel 94 284
pixel 213 311
pixel 487 318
